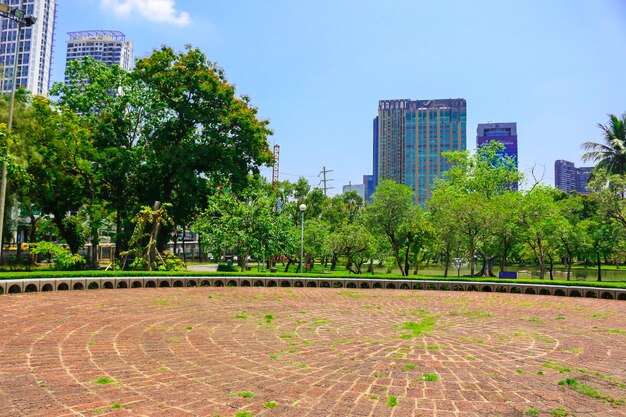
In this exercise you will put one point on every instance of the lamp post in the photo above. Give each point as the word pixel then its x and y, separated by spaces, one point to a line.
pixel 302 210
pixel 17 15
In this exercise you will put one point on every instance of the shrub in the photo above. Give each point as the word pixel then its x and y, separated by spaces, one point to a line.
pixel 63 259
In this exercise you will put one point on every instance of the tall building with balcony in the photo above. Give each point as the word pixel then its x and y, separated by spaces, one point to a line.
pixel 505 133
pixel 568 178
pixel 36 45
pixel 410 137
pixel 107 46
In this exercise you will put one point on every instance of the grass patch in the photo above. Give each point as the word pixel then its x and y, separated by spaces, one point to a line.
pixel 287 336
pixel 409 367
pixel 116 406
pixel 559 412
pixel 430 377
pixel 378 374
pixel 243 414
pixel 589 391
pixel 104 380
pixel 270 404
pixel 269 318
pixel 532 411
pixel 616 331
pixel 242 316
pixel 472 314
pixel 164 303
pixel 392 401
pixel 425 326
pixel 320 321
pixel 351 294
pixel 173 340
pixel 188 328
pixel 433 347
pixel 559 369
pixel 164 368
pixel 534 320
pixel 245 394
pixel 470 357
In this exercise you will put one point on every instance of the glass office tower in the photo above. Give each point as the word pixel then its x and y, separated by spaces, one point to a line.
pixel 410 137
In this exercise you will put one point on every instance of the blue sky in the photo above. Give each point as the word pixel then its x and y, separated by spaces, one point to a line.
pixel 316 70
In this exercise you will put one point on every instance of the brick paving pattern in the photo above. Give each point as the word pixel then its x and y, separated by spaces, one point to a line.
pixel 309 352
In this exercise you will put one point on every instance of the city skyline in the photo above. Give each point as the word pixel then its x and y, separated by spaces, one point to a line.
pixel 532 62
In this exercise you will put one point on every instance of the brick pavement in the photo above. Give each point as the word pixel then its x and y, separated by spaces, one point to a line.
pixel 312 352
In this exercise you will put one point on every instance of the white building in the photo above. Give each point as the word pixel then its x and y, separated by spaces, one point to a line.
pixel 107 46
pixel 35 50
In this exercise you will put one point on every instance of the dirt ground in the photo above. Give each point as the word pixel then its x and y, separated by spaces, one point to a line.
pixel 310 352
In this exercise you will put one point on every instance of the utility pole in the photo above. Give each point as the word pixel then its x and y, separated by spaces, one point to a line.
pixel 276 165
pixel 325 180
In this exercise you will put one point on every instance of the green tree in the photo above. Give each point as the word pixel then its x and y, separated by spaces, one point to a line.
pixel 539 219
pixel 389 215
pixel 57 173
pixel 473 191
pixel 610 155
pixel 355 243
pixel 166 131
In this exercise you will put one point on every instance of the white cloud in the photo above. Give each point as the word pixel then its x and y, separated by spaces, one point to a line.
pixel 155 10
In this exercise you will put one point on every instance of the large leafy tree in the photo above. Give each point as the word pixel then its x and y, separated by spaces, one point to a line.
pixel 473 194
pixel 57 172
pixel 165 132
pixel 609 155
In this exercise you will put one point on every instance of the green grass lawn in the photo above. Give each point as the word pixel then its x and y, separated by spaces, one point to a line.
pixel 318 271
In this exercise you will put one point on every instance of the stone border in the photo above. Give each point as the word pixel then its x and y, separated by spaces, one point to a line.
pixel 17 286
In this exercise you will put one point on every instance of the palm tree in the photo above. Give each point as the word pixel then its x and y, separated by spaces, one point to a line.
pixel 609 156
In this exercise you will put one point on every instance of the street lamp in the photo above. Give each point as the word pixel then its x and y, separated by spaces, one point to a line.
pixel 302 210
pixel 17 15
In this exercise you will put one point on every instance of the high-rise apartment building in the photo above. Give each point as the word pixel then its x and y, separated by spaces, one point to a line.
pixel 107 46
pixel 505 133
pixel 568 178
pixel 35 47
pixel 410 137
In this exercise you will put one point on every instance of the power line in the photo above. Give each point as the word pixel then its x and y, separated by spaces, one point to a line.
pixel 325 180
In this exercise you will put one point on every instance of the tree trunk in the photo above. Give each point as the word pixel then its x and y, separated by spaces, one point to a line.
pixel 152 245
pixel 182 244
pixel 599 266
pixel 118 234
pixel 447 264
pixel 570 260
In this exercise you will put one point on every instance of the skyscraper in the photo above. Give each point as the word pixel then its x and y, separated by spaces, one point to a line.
pixel 568 178
pixel 35 47
pixel 107 46
pixel 505 133
pixel 410 136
